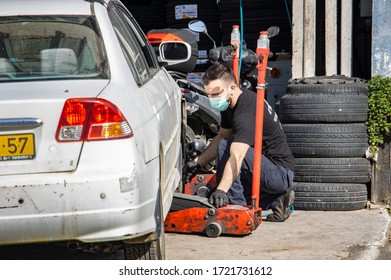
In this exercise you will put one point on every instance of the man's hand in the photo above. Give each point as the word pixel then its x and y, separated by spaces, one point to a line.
pixel 219 198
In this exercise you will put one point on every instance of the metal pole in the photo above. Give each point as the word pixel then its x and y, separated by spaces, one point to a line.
pixel 235 42
pixel 263 54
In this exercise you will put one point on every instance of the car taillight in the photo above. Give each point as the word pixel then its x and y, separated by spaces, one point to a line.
pixel 91 119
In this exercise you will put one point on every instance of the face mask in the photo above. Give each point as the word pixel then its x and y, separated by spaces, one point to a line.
pixel 220 103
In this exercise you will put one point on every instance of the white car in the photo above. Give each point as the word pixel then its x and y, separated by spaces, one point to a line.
pixel 90 128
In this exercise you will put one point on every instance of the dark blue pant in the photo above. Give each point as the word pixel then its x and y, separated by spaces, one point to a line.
pixel 275 179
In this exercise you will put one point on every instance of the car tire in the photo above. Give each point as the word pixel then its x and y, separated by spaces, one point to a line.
pixel 206 11
pixel 143 251
pixel 327 140
pixel 148 15
pixel 248 5
pixel 325 99
pixel 330 197
pixel 271 12
pixel 333 170
pixel 337 84
pixel 324 108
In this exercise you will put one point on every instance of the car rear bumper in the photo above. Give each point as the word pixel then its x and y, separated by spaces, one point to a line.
pixel 95 210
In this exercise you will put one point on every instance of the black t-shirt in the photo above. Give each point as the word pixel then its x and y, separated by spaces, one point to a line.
pixel 241 119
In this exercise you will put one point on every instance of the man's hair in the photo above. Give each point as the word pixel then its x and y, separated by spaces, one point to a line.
pixel 219 71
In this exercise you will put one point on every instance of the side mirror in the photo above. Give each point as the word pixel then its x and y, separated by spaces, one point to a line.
pixel 273 31
pixel 197 26
pixel 174 52
pixel 200 27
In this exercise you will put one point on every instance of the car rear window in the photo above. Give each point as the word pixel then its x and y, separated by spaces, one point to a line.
pixel 51 47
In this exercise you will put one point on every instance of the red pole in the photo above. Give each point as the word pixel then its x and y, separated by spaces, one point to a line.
pixel 263 54
pixel 235 66
pixel 235 42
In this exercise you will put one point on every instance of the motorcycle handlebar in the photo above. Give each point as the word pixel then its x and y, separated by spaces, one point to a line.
pixel 224 53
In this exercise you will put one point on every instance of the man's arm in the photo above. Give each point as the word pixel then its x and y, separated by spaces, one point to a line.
pixel 232 168
pixel 211 151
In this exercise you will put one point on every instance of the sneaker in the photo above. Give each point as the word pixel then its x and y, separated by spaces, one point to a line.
pixel 283 208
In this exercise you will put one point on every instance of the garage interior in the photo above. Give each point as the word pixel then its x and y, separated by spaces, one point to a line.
pixel 258 15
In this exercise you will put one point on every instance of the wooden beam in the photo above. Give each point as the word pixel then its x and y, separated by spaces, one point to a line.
pixel 331 46
pixel 297 38
pixel 309 37
pixel 346 37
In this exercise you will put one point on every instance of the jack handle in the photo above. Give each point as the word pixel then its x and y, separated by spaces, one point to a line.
pixel 263 55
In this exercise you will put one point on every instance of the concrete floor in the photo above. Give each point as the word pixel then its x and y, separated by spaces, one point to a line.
pixel 312 235
pixel 306 235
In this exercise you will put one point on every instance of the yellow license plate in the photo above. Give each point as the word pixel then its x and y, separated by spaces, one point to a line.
pixel 17 147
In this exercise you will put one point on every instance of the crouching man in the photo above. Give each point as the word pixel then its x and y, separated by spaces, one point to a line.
pixel 234 148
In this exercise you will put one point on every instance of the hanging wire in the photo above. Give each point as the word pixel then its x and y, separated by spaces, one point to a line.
pixel 288 13
pixel 241 37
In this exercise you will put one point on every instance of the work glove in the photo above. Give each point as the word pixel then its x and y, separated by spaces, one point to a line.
pixel 219 198
pixel 192 167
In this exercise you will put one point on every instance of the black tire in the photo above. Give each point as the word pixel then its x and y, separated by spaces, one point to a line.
pixel 270 13
pixel 249 5
pixel 327 85
pixel 204 43
pixel 333 170
pixel 143 251
pixel 148 15
pixel 324 108
pixel 280 43
pixel 327 140
pixel 330 197
pixel 206 11
pixel 266 14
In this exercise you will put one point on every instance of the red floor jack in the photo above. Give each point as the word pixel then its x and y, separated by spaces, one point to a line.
pixel 191 212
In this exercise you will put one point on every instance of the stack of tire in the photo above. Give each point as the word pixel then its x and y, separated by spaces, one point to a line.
pixel 258 15
pixel 180 12
pixel 324 121
pixel 148 14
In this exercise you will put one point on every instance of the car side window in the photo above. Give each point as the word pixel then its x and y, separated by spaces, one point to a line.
pixel 146 47
pixel 130 47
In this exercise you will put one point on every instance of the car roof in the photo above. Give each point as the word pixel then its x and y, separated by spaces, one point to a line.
pixel 47 7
